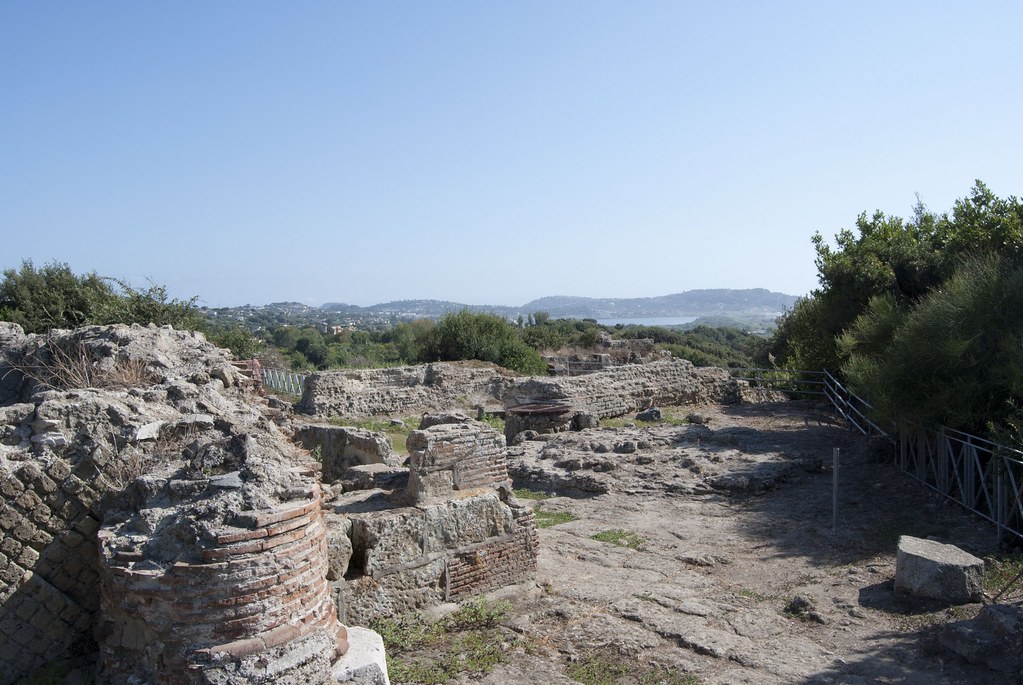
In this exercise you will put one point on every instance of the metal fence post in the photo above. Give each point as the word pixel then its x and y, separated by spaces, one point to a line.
pixel 999 496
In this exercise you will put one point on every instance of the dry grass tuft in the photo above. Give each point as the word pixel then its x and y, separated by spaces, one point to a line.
pixel 65 367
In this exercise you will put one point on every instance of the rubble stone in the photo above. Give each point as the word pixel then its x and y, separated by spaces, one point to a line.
pixel 932 570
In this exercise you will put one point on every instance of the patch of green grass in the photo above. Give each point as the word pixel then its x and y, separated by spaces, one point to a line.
pixel 617 422
pixel 750 594
pixel 526 493
pixel 675 421
pixel 396 434
pixel 466 642
pixel 622 538
pixel 546 519
pixel 608 669
pixel 999 571
pixel 495 422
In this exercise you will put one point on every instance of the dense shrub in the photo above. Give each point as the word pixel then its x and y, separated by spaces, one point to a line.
pixel 54 297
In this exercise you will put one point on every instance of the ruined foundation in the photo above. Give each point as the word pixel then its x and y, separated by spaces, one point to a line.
pixel 454 532
pixel 157 517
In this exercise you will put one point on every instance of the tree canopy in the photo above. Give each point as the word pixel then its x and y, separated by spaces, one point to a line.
pixel 923 315
pixel 53 296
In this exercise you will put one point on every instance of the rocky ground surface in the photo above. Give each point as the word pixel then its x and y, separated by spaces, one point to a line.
pixel 727 569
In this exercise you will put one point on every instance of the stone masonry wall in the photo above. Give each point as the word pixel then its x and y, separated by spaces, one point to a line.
pixel 49 586
pixel 402 391
pixel 465 534
pixel 455 457
pixel 623 389
pixel 194 491
pixel 614 391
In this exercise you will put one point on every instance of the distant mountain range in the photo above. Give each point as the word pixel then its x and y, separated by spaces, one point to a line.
pixel 755 309
pixel 757 301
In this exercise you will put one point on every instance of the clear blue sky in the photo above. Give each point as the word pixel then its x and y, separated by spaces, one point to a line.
pixel 488 152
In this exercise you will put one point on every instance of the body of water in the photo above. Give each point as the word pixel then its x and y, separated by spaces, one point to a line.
pixel 649 321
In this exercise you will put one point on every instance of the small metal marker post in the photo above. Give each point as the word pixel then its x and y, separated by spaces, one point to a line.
pixel 834 490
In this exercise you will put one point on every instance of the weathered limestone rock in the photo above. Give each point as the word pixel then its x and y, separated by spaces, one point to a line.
pixel 435 419
pixel 994 638
pixel 365 663
pixel 212 550
pixel 652 414
pixel 933 570
pixel 458 456
pixel 340 448
pixel 403 390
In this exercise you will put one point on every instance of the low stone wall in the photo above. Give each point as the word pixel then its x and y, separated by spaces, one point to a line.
pixel 403 391
pixel 614 391
pixel 624 389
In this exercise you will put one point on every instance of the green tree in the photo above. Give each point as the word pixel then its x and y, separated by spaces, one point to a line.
pixel 956 358
pixel 242 343
pixel 887 256
pixel 465 335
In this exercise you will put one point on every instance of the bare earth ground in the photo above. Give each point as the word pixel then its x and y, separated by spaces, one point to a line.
pixel 735 519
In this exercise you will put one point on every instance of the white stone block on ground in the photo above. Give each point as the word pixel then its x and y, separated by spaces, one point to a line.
pixel 365 662
pixel 933 570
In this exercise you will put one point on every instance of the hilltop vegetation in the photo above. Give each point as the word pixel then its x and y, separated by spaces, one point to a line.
pixel 40 299
pixel 922 315
pixel 487 337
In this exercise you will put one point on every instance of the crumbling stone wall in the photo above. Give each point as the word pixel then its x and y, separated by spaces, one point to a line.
pixel 614 391
pixel 624 389
pixel 455 457
pixel 247 601
pixel 464 534
pixel 340 448
pixel 166 453
pixel 404 390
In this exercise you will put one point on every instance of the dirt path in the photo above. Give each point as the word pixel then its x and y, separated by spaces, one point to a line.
pixel 734 574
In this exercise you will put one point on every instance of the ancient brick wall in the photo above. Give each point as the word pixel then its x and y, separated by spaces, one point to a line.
pixel 259 588
pixel 402 391
pixel 496 564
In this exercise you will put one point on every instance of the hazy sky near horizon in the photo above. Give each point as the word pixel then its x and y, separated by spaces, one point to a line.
pixel 488 152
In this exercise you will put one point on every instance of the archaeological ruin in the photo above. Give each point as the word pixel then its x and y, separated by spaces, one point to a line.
pixel 162 522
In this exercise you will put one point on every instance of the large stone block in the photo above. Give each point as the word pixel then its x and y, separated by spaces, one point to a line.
pixel 341 448
pixel 994 638
pixel 932 570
